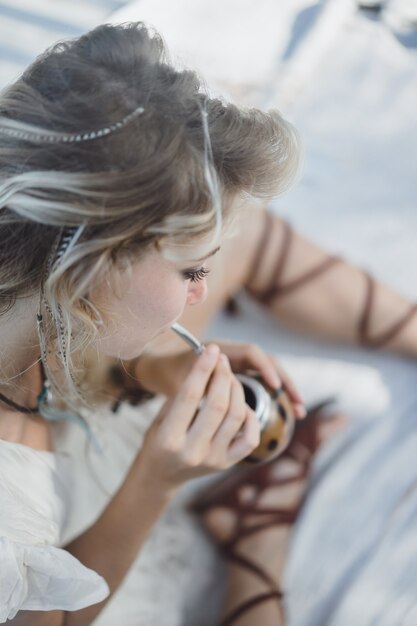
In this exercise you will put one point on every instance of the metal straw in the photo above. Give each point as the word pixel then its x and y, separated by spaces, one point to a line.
pixel 192 341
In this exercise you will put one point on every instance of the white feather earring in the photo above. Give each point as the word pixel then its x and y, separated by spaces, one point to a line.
pixel 65 242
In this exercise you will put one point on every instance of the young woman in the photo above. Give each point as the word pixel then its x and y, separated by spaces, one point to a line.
pixel 116 173
pixel 119 177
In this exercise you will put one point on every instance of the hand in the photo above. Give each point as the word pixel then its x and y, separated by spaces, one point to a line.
pixel 206 427
pixel 164 374
pixel 249 356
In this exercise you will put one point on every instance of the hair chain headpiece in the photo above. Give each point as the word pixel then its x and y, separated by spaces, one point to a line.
pixel 53 137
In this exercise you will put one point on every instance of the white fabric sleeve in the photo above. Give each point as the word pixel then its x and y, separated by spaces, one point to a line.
pixel 34 573
pixel 44 578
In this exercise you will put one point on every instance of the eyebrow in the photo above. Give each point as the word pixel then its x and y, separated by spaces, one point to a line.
pixel 212 253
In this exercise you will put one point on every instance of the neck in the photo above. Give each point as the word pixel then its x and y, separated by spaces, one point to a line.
pixel 20 378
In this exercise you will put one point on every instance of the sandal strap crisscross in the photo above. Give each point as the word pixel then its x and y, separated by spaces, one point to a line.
pixel 277 288
pixel 226 494
pixel 250 604
pixel 383 337
pixel 277 517
pixel 252 567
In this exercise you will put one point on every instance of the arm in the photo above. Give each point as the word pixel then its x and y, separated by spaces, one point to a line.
pixel 177 447
pixel 111 544
pixel 164 373
pixel 186 440
pixel 38 618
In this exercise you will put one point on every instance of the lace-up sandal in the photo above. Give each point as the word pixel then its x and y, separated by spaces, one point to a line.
pixel 381 339
pixel 278 288
pixel 229 494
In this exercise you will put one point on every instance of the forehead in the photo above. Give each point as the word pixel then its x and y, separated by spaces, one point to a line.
pixel 157 259
pixel 194 251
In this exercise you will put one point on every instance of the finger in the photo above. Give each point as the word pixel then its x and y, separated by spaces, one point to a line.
pixel 292 391
pixel 272 373
pixel 287 382
pixel 247 440
pixel 234 419
pixel 300 411
pixel 275 376
pixel 255 358
pixel 215 404
pixel 187 401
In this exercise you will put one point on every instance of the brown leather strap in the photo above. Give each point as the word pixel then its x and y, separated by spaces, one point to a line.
pixel 232 306
pixel 266 233
pixel 280 517
pixel 249 604
pixel 284 252
pixel 262 246
pixel 276 288
pixel 379 340
pixel 252 567
pixel 283 290
pixel 225 492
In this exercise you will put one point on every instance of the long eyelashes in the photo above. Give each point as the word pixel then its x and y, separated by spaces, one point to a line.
pixel 196 275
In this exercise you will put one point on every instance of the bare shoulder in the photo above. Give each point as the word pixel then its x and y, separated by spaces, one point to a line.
pixel 31 431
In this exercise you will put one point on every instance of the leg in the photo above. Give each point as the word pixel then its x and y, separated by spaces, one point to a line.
pixel 324 295
pixel 250 515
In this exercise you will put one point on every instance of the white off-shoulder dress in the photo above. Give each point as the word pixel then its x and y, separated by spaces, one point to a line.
pixel 47 499
pixel 35 573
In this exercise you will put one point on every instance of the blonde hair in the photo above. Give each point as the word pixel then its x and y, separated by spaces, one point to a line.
pixel 167 173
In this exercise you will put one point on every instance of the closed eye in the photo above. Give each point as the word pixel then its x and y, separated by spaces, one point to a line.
pixel 196 275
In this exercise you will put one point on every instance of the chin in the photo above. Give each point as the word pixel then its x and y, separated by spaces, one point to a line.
pixel 125 354
pixel 163 331
pixel 133 352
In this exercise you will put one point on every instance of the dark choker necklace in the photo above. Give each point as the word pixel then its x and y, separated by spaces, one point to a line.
pixel 26 409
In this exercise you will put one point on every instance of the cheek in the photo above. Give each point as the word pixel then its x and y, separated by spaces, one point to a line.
pixel 167 303
pixel 147 308
pixel 143 301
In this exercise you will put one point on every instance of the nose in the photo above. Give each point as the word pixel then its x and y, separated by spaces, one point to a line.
pixel 197 292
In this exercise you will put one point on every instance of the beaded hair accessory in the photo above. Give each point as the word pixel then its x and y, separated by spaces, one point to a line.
pixel 64 242
pixel 53 137
pixel 66 239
